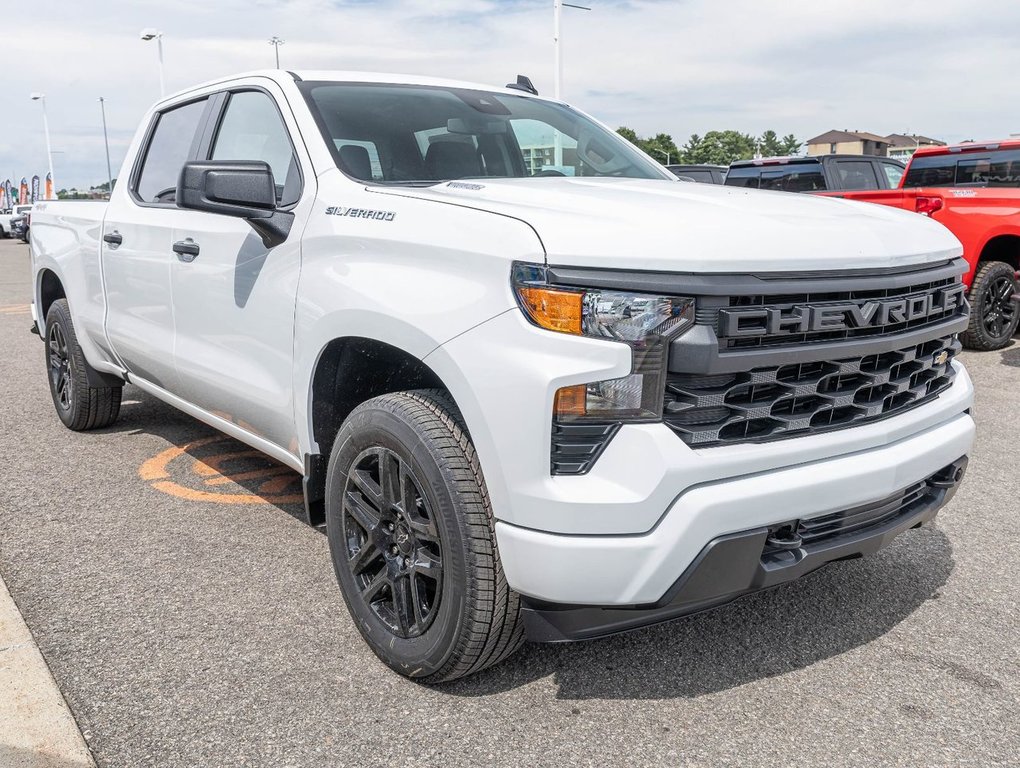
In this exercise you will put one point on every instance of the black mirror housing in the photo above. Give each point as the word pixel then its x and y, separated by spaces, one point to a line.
pixel 246 190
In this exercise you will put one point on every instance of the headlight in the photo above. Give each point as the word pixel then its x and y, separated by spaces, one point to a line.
pixel 645 322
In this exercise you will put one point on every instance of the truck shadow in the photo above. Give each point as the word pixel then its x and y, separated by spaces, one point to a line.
pixel 204 465
pixel 828 613
pixel 1011 355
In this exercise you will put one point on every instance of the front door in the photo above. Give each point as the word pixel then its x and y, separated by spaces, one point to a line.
pixel 234 298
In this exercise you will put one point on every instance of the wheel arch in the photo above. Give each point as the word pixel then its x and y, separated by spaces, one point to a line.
pixel 350 370
pixel 1003 247
pixel 49 289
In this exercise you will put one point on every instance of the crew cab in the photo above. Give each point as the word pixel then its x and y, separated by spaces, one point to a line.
pixel 974 190
pixel 550 402
pixel 818 173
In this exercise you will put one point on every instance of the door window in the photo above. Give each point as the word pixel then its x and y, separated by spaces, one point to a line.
pixel 252 129
pixel 857 174
pixel 168 150
pixel 893 173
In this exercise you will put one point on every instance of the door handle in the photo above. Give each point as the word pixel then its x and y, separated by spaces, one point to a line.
pixel 186 249
pixel 113 238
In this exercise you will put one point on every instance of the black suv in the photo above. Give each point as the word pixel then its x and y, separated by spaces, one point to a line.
pixel 823 173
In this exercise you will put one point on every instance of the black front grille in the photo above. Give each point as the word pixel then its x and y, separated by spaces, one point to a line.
pixel 787 303
pixel 776 402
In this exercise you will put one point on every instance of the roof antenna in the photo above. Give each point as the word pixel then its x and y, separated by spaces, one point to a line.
pixel 523 84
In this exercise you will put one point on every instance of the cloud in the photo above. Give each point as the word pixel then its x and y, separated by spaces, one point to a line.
pixel 677 66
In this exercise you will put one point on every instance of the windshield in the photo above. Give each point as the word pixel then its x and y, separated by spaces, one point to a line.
pixel 408 134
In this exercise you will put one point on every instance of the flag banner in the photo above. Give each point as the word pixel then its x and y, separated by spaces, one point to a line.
pixel 9 189
pixel 3 198
pixel 23 191
pixel 49 189
pixel 35 188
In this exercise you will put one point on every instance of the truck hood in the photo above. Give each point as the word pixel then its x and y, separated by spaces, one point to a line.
pixel 661 225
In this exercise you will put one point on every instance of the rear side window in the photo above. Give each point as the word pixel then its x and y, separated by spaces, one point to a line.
pixel 795 177
pixel 995 169
pixel 857 174
pixel 169 148
pixel 743 177
pixel 252 129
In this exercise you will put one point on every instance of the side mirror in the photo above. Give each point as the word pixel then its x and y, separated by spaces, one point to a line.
pixel 245 190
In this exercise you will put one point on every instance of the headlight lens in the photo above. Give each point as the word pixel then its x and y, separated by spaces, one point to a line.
pixel 645 322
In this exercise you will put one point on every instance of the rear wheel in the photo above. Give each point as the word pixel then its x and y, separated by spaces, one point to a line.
pixel 993 312
pixel 412 540
pixel 79 406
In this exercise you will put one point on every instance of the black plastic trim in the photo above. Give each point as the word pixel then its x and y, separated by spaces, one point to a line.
pixel 733 284
pixel 732 566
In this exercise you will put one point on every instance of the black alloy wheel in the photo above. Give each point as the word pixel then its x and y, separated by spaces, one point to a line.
pixel 61 373
pixel 998 309
pixel 994 312
pixel 394 550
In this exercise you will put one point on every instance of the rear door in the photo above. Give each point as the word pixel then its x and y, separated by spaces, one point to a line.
pixel 234 301
pixel 137 234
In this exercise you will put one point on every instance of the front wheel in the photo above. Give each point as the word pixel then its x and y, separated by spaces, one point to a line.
pixel 79 406
pixel 412 540
pixel 993 313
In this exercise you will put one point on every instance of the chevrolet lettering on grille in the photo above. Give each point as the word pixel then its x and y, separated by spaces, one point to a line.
pixel 774 321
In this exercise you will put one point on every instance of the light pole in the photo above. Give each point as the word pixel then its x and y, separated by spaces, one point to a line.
pixel 154 34
pixel 558 68
pixel 46 129
pixel 276 43
pixel 106 140
pixel 661 152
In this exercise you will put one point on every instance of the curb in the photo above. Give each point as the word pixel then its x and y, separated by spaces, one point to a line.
pixel 37 729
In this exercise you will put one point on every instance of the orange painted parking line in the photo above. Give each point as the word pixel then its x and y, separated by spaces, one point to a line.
pixel 236 475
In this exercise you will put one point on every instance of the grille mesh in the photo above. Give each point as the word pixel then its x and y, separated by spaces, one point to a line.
pixel 776 402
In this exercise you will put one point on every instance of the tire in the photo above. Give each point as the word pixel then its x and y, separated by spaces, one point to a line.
pixel 425 589
pixel 993 313
pixel 79 406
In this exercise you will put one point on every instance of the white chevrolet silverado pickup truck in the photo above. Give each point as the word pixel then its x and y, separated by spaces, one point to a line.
pixel 537 387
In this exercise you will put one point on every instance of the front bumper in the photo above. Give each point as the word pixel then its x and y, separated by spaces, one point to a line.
pixel 639 569
pixel 740 563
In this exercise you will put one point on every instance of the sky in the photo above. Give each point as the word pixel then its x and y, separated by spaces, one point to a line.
pixel 941 68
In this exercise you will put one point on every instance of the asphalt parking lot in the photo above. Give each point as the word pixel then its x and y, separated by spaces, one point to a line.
pixel 190 618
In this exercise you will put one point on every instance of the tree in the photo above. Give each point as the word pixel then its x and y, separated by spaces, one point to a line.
pixel 769 145
pixel 661 146
pixel 790 144
pixel 719 148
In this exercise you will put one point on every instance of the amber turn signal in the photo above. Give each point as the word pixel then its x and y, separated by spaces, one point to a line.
pixel 571 401
pixel 552 309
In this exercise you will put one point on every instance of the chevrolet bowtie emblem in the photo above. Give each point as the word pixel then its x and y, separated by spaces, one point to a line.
pixel 941 357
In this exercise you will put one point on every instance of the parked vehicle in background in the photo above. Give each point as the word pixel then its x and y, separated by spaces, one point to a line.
pixel 821 173
pixel 974 190
pixel 709 174
pixel 21 221
pixel 5 222
pixel 554 403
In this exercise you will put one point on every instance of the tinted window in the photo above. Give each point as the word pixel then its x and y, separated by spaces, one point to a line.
pixel 703 176
pixel 743 177
pixel 857 174
pixel 169 148
pixel 993 169
pixel 423 135
pixel 794 177
pixel 893 174
pixel 252 129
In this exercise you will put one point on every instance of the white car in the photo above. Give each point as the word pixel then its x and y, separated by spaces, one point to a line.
pixel 525 403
